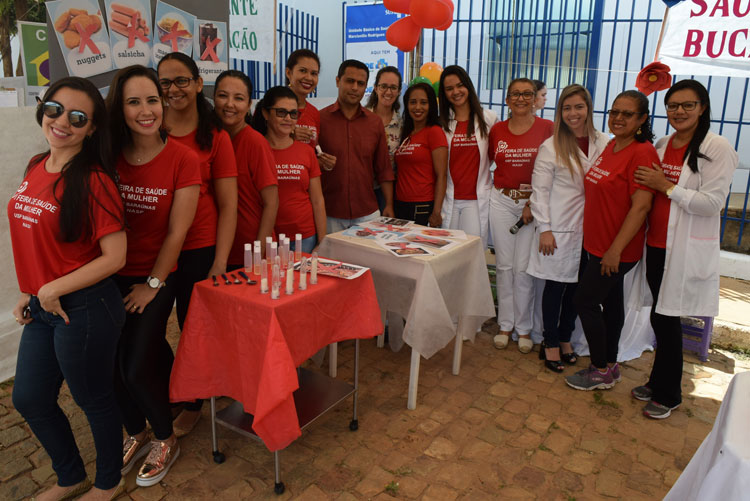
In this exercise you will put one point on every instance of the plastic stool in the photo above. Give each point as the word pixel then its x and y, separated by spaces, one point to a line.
pixel 696 335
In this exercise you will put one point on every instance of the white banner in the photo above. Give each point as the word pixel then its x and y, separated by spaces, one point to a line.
pixel 252 30
pixel 707 37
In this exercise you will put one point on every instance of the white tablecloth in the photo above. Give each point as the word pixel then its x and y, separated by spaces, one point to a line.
pixel 720 468
pixel 439 296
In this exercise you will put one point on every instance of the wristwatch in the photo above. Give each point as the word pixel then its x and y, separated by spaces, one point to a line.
pixel 155 283
pixel 669 191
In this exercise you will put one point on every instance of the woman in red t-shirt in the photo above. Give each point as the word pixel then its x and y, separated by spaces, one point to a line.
pixel 513 145
pixel 683 230
pixel 257 190
pixel 421 159
pixel 614 230
pixel 67 230
pixel 301 205
pixel 302 70
pixel 159 180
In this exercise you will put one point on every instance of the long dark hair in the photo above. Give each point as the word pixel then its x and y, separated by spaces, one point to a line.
pixel 115 105
pixel 475 107
pixel 208 122
pixel 94 159
pixel 372 101
pixel 432 113
pixel 269 100
pixel 245 80
pixel 644 132
pixel 692 153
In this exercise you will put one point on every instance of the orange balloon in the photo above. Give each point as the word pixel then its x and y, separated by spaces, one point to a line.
pixel 431 71
pixel 400 6
pixel 430 13
pixel 450 18
pixel 403 34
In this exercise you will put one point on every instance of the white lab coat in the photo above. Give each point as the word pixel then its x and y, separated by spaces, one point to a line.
pixel 557 205
pixel 690 284
pixel 484 179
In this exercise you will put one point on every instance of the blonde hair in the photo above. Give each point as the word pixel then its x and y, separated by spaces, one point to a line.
pixel 566 147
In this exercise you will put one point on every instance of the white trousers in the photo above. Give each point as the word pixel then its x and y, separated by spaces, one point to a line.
pixel 515 287
pixel 465 216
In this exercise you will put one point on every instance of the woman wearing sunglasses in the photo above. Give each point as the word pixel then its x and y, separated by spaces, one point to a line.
pixel 159 181
pixel 614 230
pixel 66 225
pixel 191 120
pixel 258 194
pixel 467 126
pixel 302 70
pixel 683 230
pixel 301 205
pixel 513 147
pixel 557 207
pixel 421 159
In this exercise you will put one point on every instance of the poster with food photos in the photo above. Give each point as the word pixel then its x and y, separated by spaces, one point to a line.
pixel 129 23
pixel 210 49
pixel 80 31
pixel 173 31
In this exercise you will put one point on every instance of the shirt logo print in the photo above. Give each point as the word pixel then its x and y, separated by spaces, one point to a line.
pixel 23 187
pixel 501 146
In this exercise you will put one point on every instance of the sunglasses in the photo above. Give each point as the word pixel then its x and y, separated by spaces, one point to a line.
pixel 282 113
pixel 53 109
pixel 179 82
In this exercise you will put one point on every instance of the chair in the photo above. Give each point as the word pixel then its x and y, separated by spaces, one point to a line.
pixel 696 335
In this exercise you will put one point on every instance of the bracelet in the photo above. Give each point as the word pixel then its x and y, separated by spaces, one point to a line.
pixel 669 191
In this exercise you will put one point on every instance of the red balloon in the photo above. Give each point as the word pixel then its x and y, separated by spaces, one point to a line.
pixel 403 34
pixel 430 13
pixel 400 6
pixel 450 18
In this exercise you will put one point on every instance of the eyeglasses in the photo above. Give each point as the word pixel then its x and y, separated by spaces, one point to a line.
pixel 687 106
pixel 521 95
pixel 179 82
pixel 627 115
pixel 385 87
pixel 53 109
pixel 282 113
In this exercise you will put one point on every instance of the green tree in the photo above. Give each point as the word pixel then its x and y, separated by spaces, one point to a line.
pixel 10 12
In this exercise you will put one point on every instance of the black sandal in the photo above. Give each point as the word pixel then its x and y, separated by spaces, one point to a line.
pixel 569 358
pixel 553 365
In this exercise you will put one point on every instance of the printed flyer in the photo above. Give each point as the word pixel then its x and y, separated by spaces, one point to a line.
pixel 83 39
pixel 173 31
pixel 129 24
pixel 210 49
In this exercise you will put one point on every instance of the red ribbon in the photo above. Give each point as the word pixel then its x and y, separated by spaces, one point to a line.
pixel 174 32
pixel 133 32
pixel 210 52
pixel 85 35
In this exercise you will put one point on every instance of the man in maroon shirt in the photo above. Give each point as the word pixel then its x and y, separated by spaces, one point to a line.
pixel 356 153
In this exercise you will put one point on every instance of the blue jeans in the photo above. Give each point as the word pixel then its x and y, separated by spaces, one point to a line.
pixel 82 354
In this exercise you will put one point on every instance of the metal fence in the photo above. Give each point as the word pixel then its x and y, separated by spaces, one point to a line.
pixel 601 44
pixel 295 30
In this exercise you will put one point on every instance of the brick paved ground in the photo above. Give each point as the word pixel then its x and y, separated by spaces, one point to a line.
pixel 504 429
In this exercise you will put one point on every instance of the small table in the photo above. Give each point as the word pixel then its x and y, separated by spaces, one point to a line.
pixel 442 297
pixel 242 344
pixel 720 468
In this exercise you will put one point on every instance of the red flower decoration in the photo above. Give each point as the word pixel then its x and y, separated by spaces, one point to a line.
pixel 653 77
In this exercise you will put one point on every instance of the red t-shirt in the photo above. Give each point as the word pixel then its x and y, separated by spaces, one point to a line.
pixel 608 185
pixel 33 212
pixel 658 218
pixel 416 174
pixel 309 118
pixel 464 163
pixel 515 154
pixel 583 144
pixel 217 163
pixel 255 171
pixel 295 166
pixel 147 192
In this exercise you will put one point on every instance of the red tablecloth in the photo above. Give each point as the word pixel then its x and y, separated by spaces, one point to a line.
pixel 242 344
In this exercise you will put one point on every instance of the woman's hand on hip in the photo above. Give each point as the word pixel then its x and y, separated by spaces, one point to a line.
pixel 21 310
pixel 49 300
pixel 139 297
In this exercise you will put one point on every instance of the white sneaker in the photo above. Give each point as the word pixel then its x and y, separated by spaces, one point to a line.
pixel 501 341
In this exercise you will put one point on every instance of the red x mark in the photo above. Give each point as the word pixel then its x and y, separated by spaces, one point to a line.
pixel 174 32
pixel 210 52
pixel 133 32
pixel 85 35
